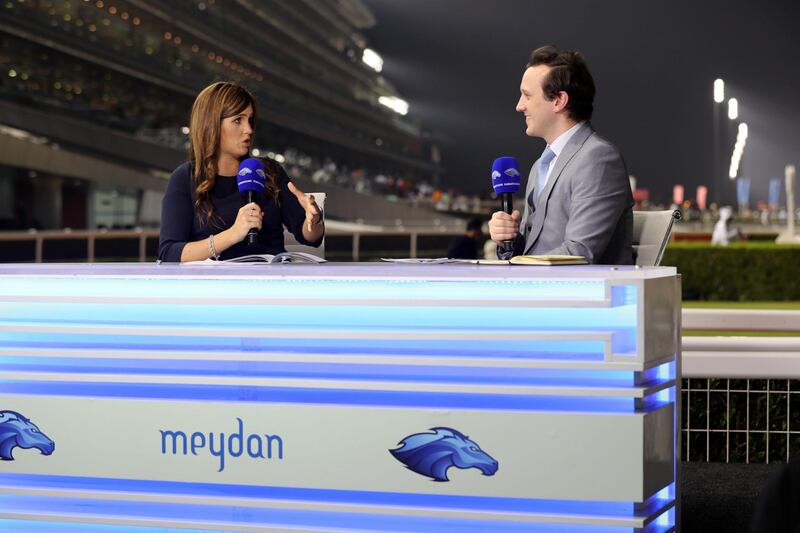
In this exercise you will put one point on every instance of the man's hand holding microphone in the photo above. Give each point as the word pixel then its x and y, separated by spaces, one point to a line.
pixel 504 224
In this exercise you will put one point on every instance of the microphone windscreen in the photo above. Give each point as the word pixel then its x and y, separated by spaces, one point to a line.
pixel 251 176
pixel 505 175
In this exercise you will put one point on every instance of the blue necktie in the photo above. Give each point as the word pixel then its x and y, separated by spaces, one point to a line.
pixel 541 176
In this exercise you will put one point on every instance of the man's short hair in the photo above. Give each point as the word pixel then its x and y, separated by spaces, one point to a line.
pixel 474 224
pixel 568 73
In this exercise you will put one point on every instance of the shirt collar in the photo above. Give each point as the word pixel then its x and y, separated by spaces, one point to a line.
pixel 562 140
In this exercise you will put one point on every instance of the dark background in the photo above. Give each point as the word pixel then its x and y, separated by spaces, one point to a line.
pixel 459 64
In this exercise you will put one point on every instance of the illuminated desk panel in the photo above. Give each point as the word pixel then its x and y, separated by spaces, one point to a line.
pixel 375 397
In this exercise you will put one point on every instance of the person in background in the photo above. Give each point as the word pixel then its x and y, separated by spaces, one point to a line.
pixel 203 215
pixel 466 246
pixel 723 234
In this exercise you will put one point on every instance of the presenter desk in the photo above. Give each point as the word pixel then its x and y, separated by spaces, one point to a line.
pixel 339 397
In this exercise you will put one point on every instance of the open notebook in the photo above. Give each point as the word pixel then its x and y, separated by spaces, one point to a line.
pixel 285 257
pixel 548 260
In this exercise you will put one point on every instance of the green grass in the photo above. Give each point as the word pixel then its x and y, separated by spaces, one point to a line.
pixel 740 305
pixel 709 333
pixel 750 245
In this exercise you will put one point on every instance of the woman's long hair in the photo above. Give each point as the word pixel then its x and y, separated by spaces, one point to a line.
pixel 216 102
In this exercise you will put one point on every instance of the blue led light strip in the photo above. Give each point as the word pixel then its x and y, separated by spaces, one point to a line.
pixel 528 349
pixel 312 317
pixel 328 370
pixel 36 526
pixel 472 503
pixel 216 519
pixel 238 393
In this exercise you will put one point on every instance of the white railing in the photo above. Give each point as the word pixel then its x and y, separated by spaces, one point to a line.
pixel 741 320
pixel 741 357
pixel 92 236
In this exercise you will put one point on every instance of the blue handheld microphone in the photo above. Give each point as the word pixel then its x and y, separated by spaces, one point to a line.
pixel 506 181
pixel 252 180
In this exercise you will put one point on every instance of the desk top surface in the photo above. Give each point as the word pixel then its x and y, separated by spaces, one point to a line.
pixel 334 271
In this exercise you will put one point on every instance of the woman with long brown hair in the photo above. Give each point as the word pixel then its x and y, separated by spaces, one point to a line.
pixel 202 215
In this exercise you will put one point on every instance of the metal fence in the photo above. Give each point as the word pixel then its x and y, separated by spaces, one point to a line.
pixel 741 395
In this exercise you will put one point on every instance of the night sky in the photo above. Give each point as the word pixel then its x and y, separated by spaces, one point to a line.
pixel 459 64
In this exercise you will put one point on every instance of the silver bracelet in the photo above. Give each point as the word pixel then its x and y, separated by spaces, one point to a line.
pixel 212 248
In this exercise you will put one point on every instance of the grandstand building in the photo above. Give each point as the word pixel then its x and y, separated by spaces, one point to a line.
pixel 95 99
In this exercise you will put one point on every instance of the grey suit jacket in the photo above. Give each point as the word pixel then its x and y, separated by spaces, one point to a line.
pixel 586 207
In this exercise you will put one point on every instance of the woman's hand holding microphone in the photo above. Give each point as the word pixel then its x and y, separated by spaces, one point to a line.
pixel 249 217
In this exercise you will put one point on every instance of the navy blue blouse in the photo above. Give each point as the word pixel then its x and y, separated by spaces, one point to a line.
pixel 180 223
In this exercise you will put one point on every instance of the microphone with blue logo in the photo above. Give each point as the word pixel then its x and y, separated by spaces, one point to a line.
pixel 252 180
pixel 506 181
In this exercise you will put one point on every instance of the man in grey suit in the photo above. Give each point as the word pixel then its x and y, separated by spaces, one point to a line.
pixel 578 199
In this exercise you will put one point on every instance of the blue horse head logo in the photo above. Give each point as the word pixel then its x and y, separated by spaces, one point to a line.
pixel 16 430
pixel 431 454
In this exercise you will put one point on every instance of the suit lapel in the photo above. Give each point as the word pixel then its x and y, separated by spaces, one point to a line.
pixel 563 159
pixel 530 205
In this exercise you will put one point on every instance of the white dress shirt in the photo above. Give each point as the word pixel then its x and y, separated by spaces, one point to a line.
pixel 558 146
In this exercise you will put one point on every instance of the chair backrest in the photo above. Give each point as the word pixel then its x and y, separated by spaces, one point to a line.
pixel 651 233
pixel 291 243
